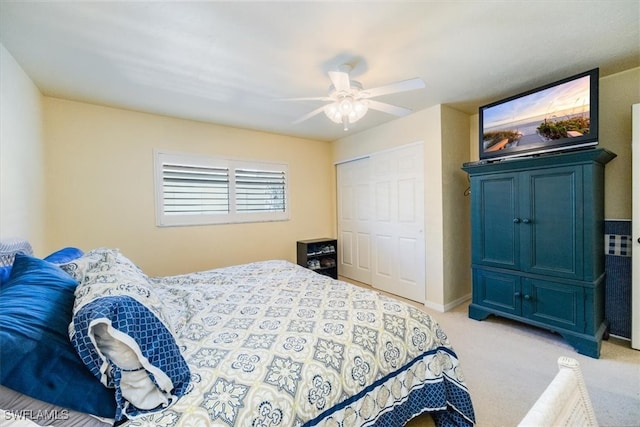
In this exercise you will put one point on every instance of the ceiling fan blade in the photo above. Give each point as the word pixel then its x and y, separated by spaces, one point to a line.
pixel 387 108
pixel 309 115
pixel 340 81
pixel 402 86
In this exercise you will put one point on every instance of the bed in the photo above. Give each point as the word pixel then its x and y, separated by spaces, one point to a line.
pixel 261 344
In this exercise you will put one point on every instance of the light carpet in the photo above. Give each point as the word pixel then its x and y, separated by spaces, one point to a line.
pixel 507 365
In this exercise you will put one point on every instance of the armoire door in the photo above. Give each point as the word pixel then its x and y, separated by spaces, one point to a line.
pixel 495 220
pixel 552 210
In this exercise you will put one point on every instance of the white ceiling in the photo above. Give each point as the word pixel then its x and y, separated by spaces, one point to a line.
pixel 228 62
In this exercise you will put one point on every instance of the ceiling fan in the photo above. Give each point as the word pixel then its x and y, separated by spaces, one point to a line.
pixel 349 101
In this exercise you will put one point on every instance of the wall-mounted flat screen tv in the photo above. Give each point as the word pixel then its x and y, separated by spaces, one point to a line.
pixel 559 116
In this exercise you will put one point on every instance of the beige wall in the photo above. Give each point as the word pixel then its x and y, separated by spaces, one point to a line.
pixel 445 150
pixel 21 156
pixel 456 207
pixel 99 170
pixel 618 92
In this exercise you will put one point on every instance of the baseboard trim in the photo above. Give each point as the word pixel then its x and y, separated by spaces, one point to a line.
pixel 446 307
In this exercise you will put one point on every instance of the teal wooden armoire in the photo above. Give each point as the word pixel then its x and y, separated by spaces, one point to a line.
pixel 538 243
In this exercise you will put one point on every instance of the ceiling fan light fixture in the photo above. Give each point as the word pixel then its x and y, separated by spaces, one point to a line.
pixel 360 108
pixel 346 110
pixel 332 111
pixel 346 105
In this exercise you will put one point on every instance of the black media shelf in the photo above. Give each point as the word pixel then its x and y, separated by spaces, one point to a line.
pixel 319 255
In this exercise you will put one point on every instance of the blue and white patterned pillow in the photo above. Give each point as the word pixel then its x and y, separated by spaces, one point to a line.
pixel 120 331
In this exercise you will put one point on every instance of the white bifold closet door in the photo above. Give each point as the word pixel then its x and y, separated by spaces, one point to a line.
pixel 354 220
pixel 381 221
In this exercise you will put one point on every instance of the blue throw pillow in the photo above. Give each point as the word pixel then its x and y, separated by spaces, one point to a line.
pixel 60 256
pixel 36 354
pixel 4 273
pixel 64 255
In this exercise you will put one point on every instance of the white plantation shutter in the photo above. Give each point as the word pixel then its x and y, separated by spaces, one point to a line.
pixel 260 190
pixel 198 190
pixel 194 190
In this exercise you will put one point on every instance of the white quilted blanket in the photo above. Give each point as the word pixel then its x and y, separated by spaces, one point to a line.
pixel 274 344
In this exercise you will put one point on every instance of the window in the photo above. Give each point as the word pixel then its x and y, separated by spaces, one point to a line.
pixel 198 190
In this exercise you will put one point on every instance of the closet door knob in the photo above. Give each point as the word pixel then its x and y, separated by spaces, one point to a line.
pixel 517 220
pixel 526 220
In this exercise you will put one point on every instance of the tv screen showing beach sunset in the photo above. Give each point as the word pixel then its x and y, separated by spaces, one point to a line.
pixel 555 113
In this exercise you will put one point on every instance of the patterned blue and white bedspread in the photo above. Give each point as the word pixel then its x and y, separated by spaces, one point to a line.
pixel 274 344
